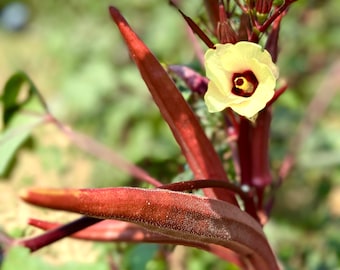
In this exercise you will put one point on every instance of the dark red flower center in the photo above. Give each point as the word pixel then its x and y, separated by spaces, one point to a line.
pixel 244 84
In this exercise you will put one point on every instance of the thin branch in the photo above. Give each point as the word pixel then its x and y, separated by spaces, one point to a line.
pixel 207 183
pixel 99 150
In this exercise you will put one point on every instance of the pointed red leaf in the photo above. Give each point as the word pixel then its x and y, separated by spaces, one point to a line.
pixel 196 147
pixel 178 215
pixel 194 27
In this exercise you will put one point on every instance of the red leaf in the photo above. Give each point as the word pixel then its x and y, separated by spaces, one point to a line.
pixel 194 27
pixel 178 215
pixel 196 147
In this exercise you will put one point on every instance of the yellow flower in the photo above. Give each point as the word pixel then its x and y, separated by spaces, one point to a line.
pixel 241 76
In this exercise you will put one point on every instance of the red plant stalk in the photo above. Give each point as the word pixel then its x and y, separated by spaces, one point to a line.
pixel 261 175
pixel 111 231
pixel 273 39
pixel 196 147
pixel 120 231
pixel 37 242
pixel 245 151
pixel 175 214
pixel 212 7
pixel 253 146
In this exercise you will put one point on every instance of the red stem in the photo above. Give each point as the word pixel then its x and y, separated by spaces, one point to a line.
pixel 120 231
pixel 56 234
pixel 244 151
pixel 276 14
pixel 206 183
pixel 246 196
pixel 261 176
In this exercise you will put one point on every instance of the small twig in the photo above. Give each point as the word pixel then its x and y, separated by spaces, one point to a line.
pixel 247 196
pixel 99 150
pixel 207 183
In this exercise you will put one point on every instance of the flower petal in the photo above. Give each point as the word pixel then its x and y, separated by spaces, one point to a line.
pixel 214 98
pixel 255 51
pixel 216 72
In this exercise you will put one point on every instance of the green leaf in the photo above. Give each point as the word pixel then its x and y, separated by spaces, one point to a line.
pixel 16 125
pixel 21 258
pixel 12 139
pixel 11 95
pixel 18 258
pixel 138 257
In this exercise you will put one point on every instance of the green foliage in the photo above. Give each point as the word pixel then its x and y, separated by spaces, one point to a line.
pixel 139 255
pixel 16 126
pixel 201 260
pixel 20 258
pixel 10 98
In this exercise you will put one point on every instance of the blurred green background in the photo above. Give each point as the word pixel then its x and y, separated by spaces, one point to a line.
pixel 74 54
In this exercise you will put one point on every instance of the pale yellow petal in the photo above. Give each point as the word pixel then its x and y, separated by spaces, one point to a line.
pixel 255 51
pixel 214 98
pixel 215 71
pixel 233 61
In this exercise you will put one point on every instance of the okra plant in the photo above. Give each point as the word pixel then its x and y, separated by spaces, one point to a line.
pixel 239 48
